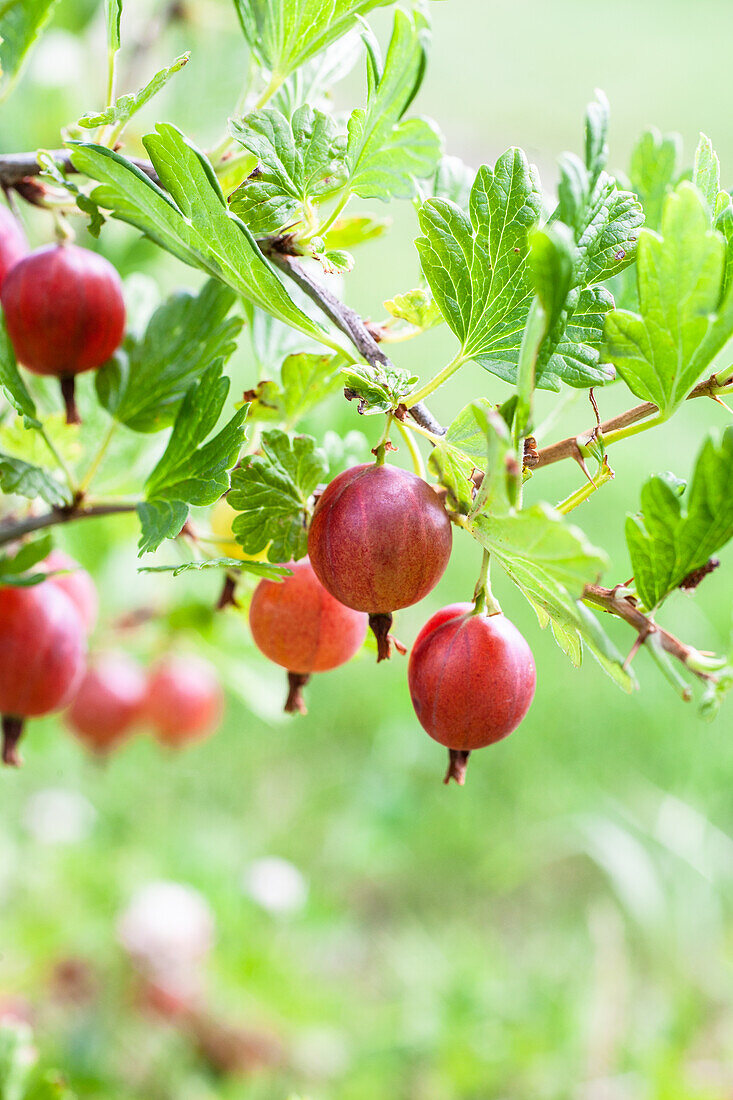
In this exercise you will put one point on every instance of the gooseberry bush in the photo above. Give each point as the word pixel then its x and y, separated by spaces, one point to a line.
pixel 588 283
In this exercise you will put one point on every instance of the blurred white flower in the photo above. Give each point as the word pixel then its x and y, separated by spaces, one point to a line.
pixel 56 816
pixel 276 885
pixel 167 928
pixel 57 60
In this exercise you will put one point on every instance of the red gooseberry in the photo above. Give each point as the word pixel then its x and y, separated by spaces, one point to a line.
pixel 184 700
pixel 108 703
pixel 302 628
pixel 43 647
pixel 76 583
pixel 64 313
pixel 13 245
pixel 471 678
pixel 380 539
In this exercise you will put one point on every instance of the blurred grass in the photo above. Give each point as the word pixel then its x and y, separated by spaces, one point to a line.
pixel 559 929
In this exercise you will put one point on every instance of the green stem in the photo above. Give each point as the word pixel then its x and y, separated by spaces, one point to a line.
pixel 97 460
pixel 484 601
pixel 68 476
pixel 324 227
pixel 422 431
pixel 417 459
pixel 381 447
pixel 273 85
pixel 585 491
pixel 633 429
pixel 441 377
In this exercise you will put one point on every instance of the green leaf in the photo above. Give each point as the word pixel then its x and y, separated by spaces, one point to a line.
pixel 124 107
pixel 476 263
pixel 21 23
pixel 417 307
pixel 12 384
pixel 477 439
pixel 306 380
pixel 377 388
pixel 190 219
pixel 706 172
pixel 354 229
pixel 257 568
pixel 15 569
pixel 655 169
pixel 159 520
pixel 668 540
pixel 192 471
pixel 144 384
pixel 386 153
pixel 27 480
pixel 301 161
pixel 682 323
pixel 113 14
pixel 550 562
pixel 271 492
pixel 284 34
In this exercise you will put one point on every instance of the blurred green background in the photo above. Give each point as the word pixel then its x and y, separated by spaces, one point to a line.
pixel 561 928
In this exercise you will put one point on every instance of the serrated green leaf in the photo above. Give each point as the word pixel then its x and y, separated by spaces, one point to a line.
pixel 124 107
pixel 417 307
pixel 12 384
pixel 476 264
pixel 159 520
pixel 550 562
pixel 682 323
pixel 27 480
pixel 305 381
pixel 271 492
pixel 302 160
pixel 52 173
pixel 354 229
pixel 144 384
pixel 257 568
pixel 668 540
pixel 284 34
pixel 477 439
pixel 15 569
pixel 386 153
pixel 190 219
pixel 377 388
pixel 191 471
pixel 21 23
pixel 655 169
pixel 706 172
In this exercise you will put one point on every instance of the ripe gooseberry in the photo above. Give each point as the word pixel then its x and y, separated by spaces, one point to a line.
pixel 64 313
pixel 471 678
pixel 75 582
pixel 184 700
pixel 43 647
pixel 380 539
pixel 13 245
pixel 108 703
pixel 302 628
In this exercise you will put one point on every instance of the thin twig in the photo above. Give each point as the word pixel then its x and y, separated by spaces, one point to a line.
pixel 9 532
pixel 625 607
pixel 568 448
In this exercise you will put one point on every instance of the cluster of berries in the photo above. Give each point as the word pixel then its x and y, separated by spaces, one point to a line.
pixel 44 632
pixel 380 539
